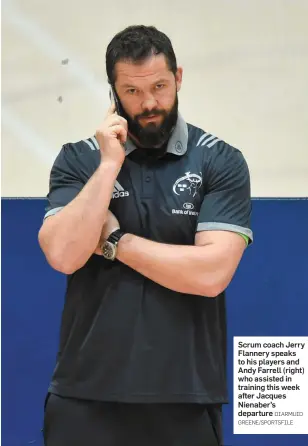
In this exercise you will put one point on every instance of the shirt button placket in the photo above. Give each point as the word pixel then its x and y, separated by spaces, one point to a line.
pixel 148 183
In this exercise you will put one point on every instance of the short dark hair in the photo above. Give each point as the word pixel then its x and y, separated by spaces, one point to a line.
pixel 136 44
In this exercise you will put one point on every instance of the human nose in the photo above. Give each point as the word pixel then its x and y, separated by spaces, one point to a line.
pixel 149 102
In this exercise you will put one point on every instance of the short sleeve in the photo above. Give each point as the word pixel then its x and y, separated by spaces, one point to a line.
pixel 65 181
pixel 227 201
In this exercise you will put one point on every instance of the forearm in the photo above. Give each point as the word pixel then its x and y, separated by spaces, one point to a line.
pixel 69 238
pixel 186 269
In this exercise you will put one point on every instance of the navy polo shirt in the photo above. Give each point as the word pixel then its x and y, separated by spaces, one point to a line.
pixel 124 337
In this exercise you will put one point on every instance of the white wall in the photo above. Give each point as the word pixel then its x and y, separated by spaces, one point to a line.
pixel 245 80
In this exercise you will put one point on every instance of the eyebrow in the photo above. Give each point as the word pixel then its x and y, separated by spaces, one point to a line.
pixel 128 86
pixel 159 81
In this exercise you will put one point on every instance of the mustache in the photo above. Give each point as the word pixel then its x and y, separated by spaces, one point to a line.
pixel 148 113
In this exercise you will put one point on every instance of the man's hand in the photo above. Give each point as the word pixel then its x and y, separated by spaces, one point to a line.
pixel 111 224
pixel 111 136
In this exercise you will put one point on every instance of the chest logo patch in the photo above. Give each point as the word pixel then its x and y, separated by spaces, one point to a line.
pixel 190 182
pixel 187 186
pixel 118 191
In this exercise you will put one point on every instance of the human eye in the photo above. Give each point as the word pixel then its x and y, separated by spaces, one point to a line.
pixel 160 86
pixel 131 91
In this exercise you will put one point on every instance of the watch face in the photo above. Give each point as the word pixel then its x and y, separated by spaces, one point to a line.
pixel 108 250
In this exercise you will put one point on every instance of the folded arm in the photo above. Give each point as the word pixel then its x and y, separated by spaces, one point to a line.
pixel 205 269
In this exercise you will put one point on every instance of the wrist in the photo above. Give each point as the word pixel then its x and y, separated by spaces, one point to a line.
pixel 109 246
pixel 110 165
pixel 116 229
pixel 124 241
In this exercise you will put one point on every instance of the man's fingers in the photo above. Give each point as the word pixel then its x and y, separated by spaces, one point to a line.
pixel 111 110
pixel 120 132
pixel 123 122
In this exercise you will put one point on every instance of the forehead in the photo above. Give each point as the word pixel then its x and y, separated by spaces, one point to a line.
pixel 147 71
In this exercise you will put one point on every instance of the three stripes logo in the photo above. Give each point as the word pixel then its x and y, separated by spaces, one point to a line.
pixel 207 140
pixel 118 191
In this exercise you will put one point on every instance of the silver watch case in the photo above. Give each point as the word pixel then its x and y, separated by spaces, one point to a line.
pixel 109 250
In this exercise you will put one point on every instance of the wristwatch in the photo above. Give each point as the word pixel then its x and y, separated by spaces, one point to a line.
pixel 109 246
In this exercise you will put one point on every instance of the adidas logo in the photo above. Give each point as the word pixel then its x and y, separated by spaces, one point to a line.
pixel 118 191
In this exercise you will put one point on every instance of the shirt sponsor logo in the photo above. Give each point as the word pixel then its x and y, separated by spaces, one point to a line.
pixel 187 210
pixel 118 191
pixel 188 206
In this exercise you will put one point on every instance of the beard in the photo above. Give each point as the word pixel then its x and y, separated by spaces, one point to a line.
pixel 153 135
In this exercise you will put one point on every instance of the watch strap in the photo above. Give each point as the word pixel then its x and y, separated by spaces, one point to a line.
pixel 115 236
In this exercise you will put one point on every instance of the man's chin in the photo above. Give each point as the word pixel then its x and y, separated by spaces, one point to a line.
pixel 148 141
pixel 155 133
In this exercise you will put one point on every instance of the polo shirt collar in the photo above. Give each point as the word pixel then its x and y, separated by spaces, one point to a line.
pixel 177 143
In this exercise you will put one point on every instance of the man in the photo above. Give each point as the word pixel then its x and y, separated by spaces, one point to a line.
pixel 149 219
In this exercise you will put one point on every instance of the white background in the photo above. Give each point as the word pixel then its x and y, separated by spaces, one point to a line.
pixel 245 80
